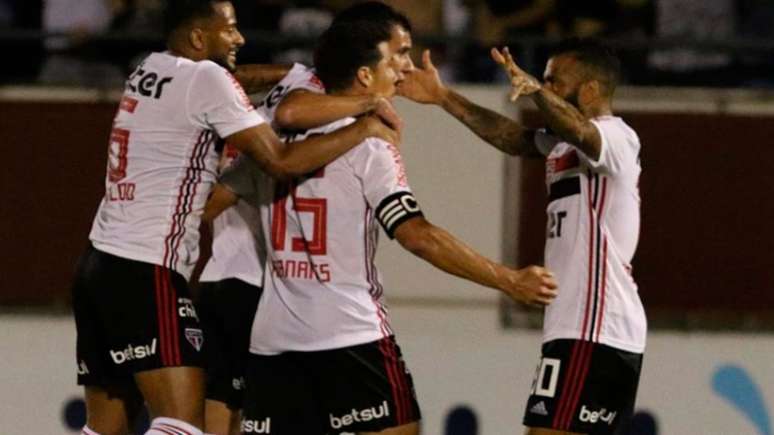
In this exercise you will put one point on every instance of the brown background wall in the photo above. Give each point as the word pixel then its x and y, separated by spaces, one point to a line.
pixel 50 186
pixel 707 190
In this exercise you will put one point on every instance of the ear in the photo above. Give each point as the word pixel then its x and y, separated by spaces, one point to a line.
pixel 196 39
pixel 591 90
pixel 365 76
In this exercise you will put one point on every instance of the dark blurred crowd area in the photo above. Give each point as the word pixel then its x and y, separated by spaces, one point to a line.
pixel 715 43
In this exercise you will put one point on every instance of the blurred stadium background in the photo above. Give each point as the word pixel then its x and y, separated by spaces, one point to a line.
pixel 699 79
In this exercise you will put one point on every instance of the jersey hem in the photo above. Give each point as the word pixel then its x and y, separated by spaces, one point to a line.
pixel 355 340
pixel 214 277
pixel 617 344
pixel 129 255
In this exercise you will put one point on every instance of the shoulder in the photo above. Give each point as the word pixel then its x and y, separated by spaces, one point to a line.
pixel 302 76
pixel 211 70
pixel 616 129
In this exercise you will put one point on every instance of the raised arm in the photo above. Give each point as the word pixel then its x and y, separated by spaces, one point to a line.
pixel 532 285
pixel 283 161
pixel 423 85
pixel 258 77
pixel 302 109
pixel 568 123
pixel 565 120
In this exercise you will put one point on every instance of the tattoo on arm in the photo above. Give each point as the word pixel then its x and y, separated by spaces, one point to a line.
pixel 569 123
pixel 499 131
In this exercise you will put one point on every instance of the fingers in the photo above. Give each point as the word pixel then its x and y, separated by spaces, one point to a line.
pixel 497 56
pixel 388 114
pixel 539 286
pixel 427 62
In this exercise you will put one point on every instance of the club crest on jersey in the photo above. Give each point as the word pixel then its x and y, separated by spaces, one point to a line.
pixel 195 337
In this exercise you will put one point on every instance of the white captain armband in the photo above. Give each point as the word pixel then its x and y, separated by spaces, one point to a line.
pixel 396 209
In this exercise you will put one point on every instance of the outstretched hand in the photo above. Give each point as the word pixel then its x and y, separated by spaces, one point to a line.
pixel 522 83
pixel 423 85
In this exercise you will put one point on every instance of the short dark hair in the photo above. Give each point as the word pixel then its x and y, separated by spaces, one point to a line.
pixel 347 46
pixel 600 60
pixel 179 13
pixel 373 11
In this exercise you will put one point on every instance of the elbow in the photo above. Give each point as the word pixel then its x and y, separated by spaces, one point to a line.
pixel 286 116
pixel 418 245
pixel 279 171
pixel 418 238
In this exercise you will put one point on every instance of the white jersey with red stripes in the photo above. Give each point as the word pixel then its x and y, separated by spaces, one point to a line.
pixel 322 289
pixel 238 246
pixel 593 229
pixel 162 161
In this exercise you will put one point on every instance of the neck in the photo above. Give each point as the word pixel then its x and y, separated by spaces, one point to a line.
pixel 597 110
pixel 353 91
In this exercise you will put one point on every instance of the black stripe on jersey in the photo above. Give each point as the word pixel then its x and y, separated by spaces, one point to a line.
pixel 564 188
pixel 396 209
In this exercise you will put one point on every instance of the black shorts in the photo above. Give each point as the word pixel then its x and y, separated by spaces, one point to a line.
pixel 364 388
pixel 583 387
pixel 130 317
pixel 226 309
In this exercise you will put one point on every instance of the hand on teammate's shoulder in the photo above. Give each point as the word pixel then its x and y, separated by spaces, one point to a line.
pixel 374 126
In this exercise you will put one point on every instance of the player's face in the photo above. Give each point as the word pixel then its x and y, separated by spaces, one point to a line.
pixel 563 77
pixel 384 76
pixel 223 38
pixel 400 45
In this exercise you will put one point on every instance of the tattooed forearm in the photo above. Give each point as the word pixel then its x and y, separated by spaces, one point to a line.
pixel 568 123
pixel 499 131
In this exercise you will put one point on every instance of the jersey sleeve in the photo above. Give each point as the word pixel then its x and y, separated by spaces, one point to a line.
pixel 217 101
pixel 620 147
pixel 545 142
pixel 379 166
